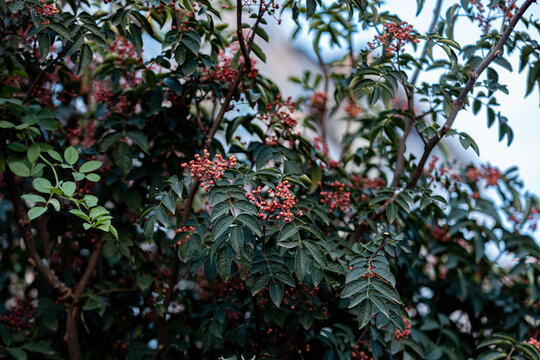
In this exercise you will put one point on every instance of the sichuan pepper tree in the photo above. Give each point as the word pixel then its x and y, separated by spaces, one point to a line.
pixel 178 205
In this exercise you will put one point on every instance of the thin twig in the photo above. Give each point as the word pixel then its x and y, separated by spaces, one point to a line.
pixel 409 91
pixel 459 103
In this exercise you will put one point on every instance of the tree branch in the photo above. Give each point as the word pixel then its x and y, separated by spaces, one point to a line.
pixel 26 231
pixel 459 103
pixel 402 147
pixel 240 34
pixel 89 271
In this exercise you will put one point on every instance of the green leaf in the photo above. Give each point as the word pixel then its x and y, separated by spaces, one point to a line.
pixel 55 203
pixel 34 198
pixel 93 303
pixel 301 263
pixel 220 209
pixel 288 230
pixel 50 320
pixel 191 44
pixel 491 355
pixel 276 291
pixel 17 353
pixel 380 304
pixel 237 239
pixel 36 211
pixel 251 222
pixel 224 262
pixel 149 228
pixel 68 188
pixel 140 139
pixel 222 226
pixel 19 168
pixel 93 177
pixel 55 155
pixel 90 166
pixel 313 230
pixel 38 348
pixel 60 29
pixel 33 152
pixel 135 37
pixel 71 155
pixel 144 281
pixel 259 284
pixel 168 201
pixel 316 252
pixel 98 211
pixel 364 313
pixel 42 185
pixel 391 212
pixel 6 124
pixel 85 59
pixel 354 288
pixel 311 7
pixel 259 52
pixel 80 214
pixel 44 42
pixel 190 66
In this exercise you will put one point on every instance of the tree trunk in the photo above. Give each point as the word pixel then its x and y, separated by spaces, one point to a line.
pixel 72 332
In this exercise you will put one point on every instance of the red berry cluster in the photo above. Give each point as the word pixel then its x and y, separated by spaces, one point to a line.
pixel 509 10
pixel 490 174
pixel 83 134
pixel 208 171
pixel 320 145
pixel 121 105
pixel 532 341
pixel 266 6
pixel 279 116
pixel 47 10
pixel 187 229
pixel 337 198
pixel 279 207
pixel 360 355
pixel 360 182
pixel 483 22
pixel 65 96
pixel 401 334
pixel 439 233
pixel 352 110
pixel 401 33
pixel 224 70
pixel 20 317
pixel 318 100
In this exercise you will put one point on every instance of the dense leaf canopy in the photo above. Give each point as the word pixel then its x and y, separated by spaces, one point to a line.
pixel 178 205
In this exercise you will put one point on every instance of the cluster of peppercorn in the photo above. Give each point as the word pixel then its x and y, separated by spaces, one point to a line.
pixel 360 355
pixel 490 174
pixel 439 233
pixel 401 33
pixel 224 71
pixel 47 10
pixel 279 116
pixel 184 229
pixel 401 334
pixel 318 100
pixel 19 317
pixel 279 207
pixel 337 198
pixel 532 341
pixel 208 171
